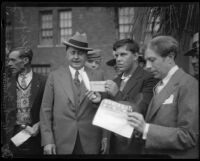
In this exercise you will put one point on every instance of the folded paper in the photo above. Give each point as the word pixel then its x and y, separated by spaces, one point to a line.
pixel 20 137
pixel 98 86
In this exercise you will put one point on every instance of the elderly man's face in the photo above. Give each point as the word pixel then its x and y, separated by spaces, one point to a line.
pixel 76 57
pixel 15 63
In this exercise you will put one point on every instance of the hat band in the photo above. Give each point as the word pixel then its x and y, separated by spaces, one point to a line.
pixel 78 43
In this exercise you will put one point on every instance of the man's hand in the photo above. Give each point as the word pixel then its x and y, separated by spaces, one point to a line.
pixel 104 145
pixel 95 97
pixel 50 149
pixel 136 120
pixel 34 130
pixel 111 87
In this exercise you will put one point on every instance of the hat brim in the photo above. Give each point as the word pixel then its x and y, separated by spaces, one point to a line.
pixel 78 47
pixel 111 62
pixel 191 52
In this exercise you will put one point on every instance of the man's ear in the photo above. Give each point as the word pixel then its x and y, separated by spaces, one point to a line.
pixel 136 56
pixel 26 60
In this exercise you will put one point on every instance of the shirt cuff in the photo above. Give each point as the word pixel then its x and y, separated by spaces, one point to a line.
pixel 146 129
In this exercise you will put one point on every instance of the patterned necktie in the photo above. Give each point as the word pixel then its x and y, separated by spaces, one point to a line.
pixel 76 79
pixel 23 82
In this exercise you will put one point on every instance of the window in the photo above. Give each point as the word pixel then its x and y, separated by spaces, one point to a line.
pixel 43 69
pixel 46 34
pixel 125 21
pixel 65 24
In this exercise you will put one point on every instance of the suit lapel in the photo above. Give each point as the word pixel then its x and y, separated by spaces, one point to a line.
pixel 132 82
pixel 66 82
pixel 12 91
pixel 157 100
pixel 35 85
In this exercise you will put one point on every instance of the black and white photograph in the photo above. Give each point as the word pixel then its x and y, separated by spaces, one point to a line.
pixel 62 60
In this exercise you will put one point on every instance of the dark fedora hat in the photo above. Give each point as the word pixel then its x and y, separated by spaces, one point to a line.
pixel 94 54
pixel 78 41
pixel 111 62
pixel 195 46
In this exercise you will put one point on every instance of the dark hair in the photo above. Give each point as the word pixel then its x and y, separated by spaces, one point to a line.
pixel 24 52
pixel 131 45
pixel 164 46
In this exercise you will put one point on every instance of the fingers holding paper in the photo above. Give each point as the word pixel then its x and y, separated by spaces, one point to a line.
pixel 137 121
pixel 34 130
pixel 95 97
pixel 111 87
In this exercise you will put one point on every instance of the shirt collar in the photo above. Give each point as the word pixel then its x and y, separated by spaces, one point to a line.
pixel 127 77
pixel 170 74
pixel 72 70
pixel 27 75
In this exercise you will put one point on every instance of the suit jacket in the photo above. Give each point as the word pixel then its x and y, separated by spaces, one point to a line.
pixel 60 122
pixel 138 90
pixel 173 115
pixel 37 89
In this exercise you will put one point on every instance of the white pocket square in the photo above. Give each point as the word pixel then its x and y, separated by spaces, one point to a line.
pixel 169 100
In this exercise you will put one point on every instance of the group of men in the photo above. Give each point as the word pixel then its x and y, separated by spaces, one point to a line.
pixel 58 111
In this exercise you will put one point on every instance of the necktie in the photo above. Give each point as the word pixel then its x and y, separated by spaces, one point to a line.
pixel 76 79
pixel 23 81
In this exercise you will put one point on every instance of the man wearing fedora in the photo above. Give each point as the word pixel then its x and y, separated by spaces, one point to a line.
pixel 68 107
pixel 194 54
pixel 94 59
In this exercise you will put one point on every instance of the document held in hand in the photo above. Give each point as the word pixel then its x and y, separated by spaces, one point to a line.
pixel 113 117
pixel 20 137
pixel 98 86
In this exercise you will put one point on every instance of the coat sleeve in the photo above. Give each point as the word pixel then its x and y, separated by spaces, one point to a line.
pixel 46 112
pixel 185 134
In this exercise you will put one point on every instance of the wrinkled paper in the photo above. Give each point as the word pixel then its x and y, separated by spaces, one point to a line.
pixel 113 117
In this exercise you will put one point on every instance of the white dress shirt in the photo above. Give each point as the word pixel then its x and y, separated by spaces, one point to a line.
pixel 28 78
pixel 82 76
pixel 158 89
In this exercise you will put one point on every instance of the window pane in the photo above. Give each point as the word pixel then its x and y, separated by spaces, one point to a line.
pixel 65 24
pixel 126 15
pixel 46 28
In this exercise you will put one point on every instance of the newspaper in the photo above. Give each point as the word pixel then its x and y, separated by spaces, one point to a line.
pixel 113 117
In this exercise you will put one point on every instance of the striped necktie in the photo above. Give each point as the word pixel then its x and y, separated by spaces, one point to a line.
pixel 76 79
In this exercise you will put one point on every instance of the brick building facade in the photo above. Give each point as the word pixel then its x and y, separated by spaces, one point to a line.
pixel 100 23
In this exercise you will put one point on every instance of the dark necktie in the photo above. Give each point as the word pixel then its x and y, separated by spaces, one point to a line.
pixel 76 79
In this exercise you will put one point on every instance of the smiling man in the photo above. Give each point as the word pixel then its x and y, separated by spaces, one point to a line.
pixel 133 85
pixel 68 107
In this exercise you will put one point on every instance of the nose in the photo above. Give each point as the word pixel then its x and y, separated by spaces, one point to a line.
pixel 118 58
pixel 76 55
pixel 148 65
